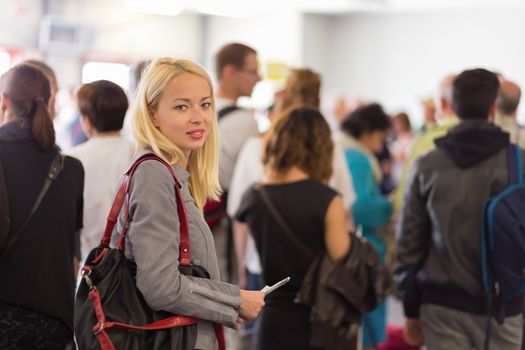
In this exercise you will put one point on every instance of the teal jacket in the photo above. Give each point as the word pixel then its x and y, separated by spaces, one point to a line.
pixel 371 209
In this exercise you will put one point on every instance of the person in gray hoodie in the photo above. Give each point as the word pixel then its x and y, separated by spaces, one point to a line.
pixel 438 267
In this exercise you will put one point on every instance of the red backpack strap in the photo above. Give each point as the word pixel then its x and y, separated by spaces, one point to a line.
pixel 123 193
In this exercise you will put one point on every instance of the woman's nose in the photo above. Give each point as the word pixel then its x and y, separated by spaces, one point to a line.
pixel 197 116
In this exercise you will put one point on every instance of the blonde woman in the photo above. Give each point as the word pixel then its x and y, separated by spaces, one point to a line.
pixel 174 117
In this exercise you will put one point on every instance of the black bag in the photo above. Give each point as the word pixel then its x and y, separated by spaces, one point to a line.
pixel 110 311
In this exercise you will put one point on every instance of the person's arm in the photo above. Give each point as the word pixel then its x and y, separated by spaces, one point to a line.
pixel 248 170
pixel 240 236
pixel 413 243
pixel 341 181
pixel 337 239
pixel 79 223
pixel 154 245
pixel 370 208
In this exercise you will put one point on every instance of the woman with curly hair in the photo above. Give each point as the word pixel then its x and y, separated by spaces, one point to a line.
pixel 298 163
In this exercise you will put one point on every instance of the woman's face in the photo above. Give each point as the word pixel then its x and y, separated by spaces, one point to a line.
pixel 373 140
pixel 184 114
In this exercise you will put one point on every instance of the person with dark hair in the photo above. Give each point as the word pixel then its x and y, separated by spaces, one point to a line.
pixel 39 255
pixel 237 56
pixel 507 109
pixel 51 76
pixel 364 132
pixel 438 265
pixel 105 156
pixel 298 163
pixel 302 89
pixel 237 71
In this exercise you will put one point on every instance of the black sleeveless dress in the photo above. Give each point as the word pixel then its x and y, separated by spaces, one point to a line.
pixel 284 324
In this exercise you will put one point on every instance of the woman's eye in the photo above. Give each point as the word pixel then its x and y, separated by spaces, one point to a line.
pixel 181 107
pixel 206 105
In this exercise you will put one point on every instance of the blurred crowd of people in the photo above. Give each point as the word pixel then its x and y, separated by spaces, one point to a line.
pixel 371 177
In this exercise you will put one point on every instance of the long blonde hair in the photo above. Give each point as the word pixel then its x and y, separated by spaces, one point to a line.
pixel 203 164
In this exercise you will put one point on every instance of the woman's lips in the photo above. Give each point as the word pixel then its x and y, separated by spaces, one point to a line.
pixel 196 134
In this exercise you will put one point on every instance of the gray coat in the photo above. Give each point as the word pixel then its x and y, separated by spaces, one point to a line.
pixel 438 247
pixel 152 242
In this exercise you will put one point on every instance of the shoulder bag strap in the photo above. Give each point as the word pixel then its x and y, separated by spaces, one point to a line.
pixel 283 223
pixel 56 167
pixel 514 164
pixel 226 110
pixel 184 246
pixel 124 193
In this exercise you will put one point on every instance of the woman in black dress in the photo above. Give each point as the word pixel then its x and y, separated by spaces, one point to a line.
pixel 40 248
pixel 298 162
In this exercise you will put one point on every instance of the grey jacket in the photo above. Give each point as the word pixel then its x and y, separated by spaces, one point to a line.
pixel 152 242
pixel 438 248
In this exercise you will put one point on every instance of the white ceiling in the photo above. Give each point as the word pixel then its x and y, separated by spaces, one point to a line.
pixel 348 6
pixel 249 8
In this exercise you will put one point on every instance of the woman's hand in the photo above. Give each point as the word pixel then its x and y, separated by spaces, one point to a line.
pixel 413 333
pixel 252 302
pixel 237 325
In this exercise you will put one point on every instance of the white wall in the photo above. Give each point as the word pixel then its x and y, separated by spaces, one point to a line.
pixel 122 35
pixel 315 35
pixel 19 23
pixel 397 59
pixel 276 37
pixel 392 57
pixel 317 55
pixel 129 34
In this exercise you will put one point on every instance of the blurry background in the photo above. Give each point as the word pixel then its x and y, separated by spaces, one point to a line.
pixel 390 51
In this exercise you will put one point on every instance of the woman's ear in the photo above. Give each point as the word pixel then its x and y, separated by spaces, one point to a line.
pixel 3 103
pixel 2 119
pixel 51 107
pixel 492 113
pixel 4 106
pixel 154 120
